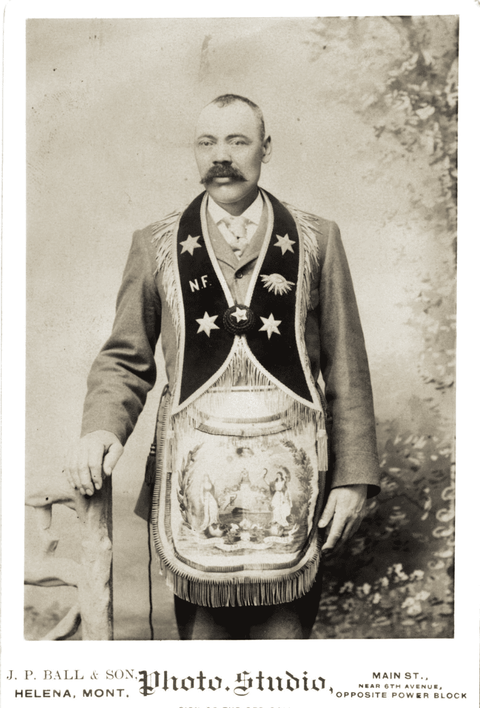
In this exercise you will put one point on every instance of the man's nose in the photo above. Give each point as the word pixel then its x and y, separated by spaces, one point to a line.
pixel 221 154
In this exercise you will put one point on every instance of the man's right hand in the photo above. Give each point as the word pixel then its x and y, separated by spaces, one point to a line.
pixel 94 452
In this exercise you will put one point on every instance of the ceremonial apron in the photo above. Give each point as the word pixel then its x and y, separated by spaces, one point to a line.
pixel 241 441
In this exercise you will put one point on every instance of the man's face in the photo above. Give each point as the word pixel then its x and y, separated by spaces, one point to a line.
pixel 229 152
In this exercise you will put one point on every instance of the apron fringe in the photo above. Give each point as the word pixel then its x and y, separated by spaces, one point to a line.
pixel 240 592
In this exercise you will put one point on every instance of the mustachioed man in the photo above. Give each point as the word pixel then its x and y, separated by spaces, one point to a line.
pixel 253 301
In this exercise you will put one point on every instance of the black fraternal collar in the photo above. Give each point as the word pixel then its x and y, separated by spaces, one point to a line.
pixel 266 327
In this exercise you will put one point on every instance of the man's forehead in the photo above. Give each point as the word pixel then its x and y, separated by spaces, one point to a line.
pixel 226 119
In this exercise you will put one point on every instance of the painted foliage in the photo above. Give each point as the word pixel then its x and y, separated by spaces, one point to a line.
pixel 395 578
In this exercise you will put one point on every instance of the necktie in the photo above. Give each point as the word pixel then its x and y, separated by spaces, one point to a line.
pixel 237 233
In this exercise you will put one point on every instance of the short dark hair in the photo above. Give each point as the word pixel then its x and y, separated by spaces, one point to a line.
pixel 227 98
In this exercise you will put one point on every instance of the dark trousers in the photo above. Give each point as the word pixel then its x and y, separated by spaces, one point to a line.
pixel 292 620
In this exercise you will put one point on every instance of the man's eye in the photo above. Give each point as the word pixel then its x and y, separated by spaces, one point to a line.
pixel 239 142
pixel 205 143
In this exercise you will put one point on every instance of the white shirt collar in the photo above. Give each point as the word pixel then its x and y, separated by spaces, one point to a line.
pixel 253 213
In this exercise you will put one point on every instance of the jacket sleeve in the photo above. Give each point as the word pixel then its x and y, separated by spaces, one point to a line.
pixel 344 366
pixel 125 371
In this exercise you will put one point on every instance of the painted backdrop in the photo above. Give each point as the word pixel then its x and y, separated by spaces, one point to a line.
pixel 362 113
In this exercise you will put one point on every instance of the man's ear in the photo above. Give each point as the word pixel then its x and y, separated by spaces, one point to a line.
pixel 267 149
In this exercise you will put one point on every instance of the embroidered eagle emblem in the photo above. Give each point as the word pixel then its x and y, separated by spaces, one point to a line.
pixel 277 283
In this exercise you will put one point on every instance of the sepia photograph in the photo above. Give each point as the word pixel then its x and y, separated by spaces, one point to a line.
pixel 307 124
pixel 240 352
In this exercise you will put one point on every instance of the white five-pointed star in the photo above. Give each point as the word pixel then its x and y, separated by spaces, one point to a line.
pixel 207 324
pixel 240 314
pixel 270 325
pixel 284 243
pixel 190 244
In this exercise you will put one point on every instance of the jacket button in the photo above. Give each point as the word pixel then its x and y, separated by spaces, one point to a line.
pixel 239 274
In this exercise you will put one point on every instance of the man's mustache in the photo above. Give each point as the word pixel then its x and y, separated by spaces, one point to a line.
pixel 222 171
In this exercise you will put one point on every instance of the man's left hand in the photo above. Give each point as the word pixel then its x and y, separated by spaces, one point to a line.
pixel 345 509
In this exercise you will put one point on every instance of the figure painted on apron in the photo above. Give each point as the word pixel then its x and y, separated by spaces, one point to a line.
pixel 281 501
